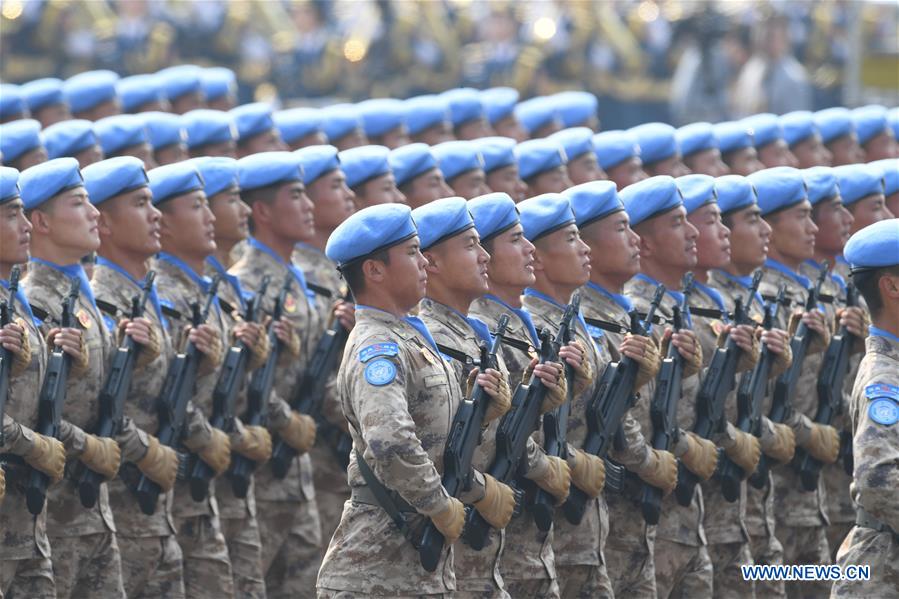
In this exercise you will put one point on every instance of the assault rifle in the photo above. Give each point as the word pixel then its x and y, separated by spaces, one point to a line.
pixel 7 314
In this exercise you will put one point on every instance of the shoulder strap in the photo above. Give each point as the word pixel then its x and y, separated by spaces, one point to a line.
pixel 458 355
pixel 518 344
pixel 39 312
pixel 319 290
pixel 606 325
pixel 388 500
pixel 107 307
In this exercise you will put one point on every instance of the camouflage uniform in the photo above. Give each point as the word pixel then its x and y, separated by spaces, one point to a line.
pixel 399 427
pixel 874 484
pixel 578 549
pixel 286 510
pixel 24 548
pixel 87 559
pixel 682 561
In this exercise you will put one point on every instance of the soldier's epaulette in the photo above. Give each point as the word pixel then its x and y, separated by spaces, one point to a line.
pixel 107 307
pixel 319 290
pixel 457 355
pixel 518 344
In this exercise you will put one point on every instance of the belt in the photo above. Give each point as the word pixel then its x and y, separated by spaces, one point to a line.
pixel 866 520
pixel 365 495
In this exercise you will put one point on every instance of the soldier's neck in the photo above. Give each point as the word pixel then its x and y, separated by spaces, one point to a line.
pixel 664 274
pixel 701 274
pixel 888 320
pixel 134 265
pixel 509 295
pixel 5 269
pixel 319 239
pixel 382 300
pixel 223 252
pixel 789 261
pixel 197 263
pixel 44 248
pixel 282 246
pixel 559 292
pixel 822 256
pixel 610 282
pixel 456 299
pixel 741 270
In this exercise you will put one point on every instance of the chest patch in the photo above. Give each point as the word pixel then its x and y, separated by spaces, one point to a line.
pixel 84 318
pixel 380 372
pixel 378 349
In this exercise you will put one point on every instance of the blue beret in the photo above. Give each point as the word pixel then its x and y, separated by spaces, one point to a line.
pixel 875 246
pixel 545 214
pixel 778 188
pixel 440 220
pixel 18 137
pixel 363 163
pixel 593 201
pixel 869 121
pixel 697 190
pixel 410 161
pixel 317 161
pixel 164 129
pixel 120 131
pixel 370 230
pixel 113 176
pixel 893 118
pixel 834 122
pixel 821 183
pixel 457 157
pixel 614 147
pixel 296 123
pixel 206 127
pixel 890 168
pixel 9 183
pixel 12 102
pixel 735 192
pixel 268 168
pixel 858 181
pixel 696 137
pixel 650 197
pixel 252 119
pixel 732 136
pixel 426 111
pixel 465 104
pixel 576 141
pixel 493 213
pixel 575 107
pixel 180 80
pixel 219 173
pixel 218 82
pixel 86 90
pixel 657 141
pixel 381 115
pixel 172 180
pixel 536 113
pixel 43 92
pixel 496 151
pixel 539 155
pixel 43 181
pixel 339 120
pixel 67 138
pixel 797 126
pixel 137 90
pixel 499 102
pixel 765 128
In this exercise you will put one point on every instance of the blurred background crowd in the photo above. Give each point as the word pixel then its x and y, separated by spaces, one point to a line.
pixel 646 60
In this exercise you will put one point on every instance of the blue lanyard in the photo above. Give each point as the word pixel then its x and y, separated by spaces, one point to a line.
pixel 203 282
pixel 716 297
pixel 73 270
pixel 154 296
pixel 878 332
pixel 478 326
pixel 294 270
pixel 534 293
pixel 523 314
pixel 231 279
pixel 783 268
pixel 622 300
pixel 744 282
pixel 677 296
pixel 22 302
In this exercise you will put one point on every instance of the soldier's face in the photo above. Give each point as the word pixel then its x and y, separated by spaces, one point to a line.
pixel 427 187
pixel 474 129
pixel 436 134
pixel 554 180
pixel 713 245
pixel 506 179
pixel 615 246
pixel 881 146
pixel 54 113
pixel 89 156
pixel 267 141
pixel 892 203
pixel 707 162
pixel 228 149
pixel 130 223
pixel 834 225
pixel 30 158
pixel 406 273
pixel 510 127
pixel 869 210
pixel 673 166
pixel 15 233
pixel 670 240
pixel 811 151
pixel 232 217
pixel 563 257
pixel 144 152
pixel 511 260
pixel 585 168
pixel 777 153
pixel 170 154
pixel 188 226
pixel 459 265
pixel 70 221
pixel 845 150
pixel 627 173
pixel 750 235
pixel 187 102
pixel 380 190
pixel 793 232
pixel 396 137
pixel 332 199
pixel 744 161
pixel 470 184
pixel 293 213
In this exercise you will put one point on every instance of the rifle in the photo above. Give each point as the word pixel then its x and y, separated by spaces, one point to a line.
pixel 113 394
pixel 51 400
pixel 309 398
pixel 719 381
pixel 612 398
pixel 463 439
pixel 785 384
pixel 177 389
pixel 224 396
pixel 258 392
pixel 7 313
pixel 663 409
pixel 833 371
pixel 555 423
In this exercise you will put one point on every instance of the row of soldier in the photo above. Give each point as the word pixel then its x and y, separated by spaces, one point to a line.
pixel 271 540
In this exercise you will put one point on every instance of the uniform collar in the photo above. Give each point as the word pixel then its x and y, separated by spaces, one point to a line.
pixel 201 281
pixel 523 314
pixel 232 280
pixel 154 296
pixel 788 272
pixel 745 282
pixel 677 296
pixel 292 268
pixel 622 300
pixel 878 332
pixel 478 327
pixel 76 271
pixel 530 292
pixel 21 304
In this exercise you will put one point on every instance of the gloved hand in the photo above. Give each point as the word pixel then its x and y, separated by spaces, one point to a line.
pixel 208 342
pixel 498 503
pixel 744 451
pixel 556 480
pixel 14 338
pixel 47 455
pixel 588 472
pixel 857 321
pixel 102 455
pixel 160 464
pixel 817 324
pixel 660 471
pixel 583 373
pixel 142 331
pixel 778 442
pixel 2 484
pixel 450 520
pixel 299 432
pixel 552 374
pixel 216 453
pixel 255 444
pixel 688 346
pixel 496 387
pixel 72 342
pixel 290 340
pixel 745 338
pixel 254 336
pixel 701 457
pixel 645 352
pixel 823 443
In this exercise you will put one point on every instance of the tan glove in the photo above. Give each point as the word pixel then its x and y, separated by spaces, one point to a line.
pixel 22 358
pixel 661 471
pixel 149 351
pixel 255 444
pixel 500 401
pixel 823 443
pixel 748 359
pixel 701 456
pixel 745 451
pixel 583 375
pixel 81 362
pixel 555 395
pixel 291 347
pixel 649 362
pixel 781 363
pixel 212 359
pixel 47 455
pixel 588 472
pixel 102 455
pixel 2 484
pixel 692 361
pixel 299 432
pixel 818 341
pixel 216 453
pixel 450 520
pixel 498 503
pixel 160 464
pixel 556 480
pixel 780 443
pixel 260 351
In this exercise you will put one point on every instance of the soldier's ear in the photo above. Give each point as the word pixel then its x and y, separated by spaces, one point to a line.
pixel 432 266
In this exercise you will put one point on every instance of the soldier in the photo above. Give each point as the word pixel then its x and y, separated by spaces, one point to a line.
pixel 838 134
pixel 701 150
pixel 862 193
pixel 874 410
pixel 890 184
pixel 75 138
pixel 737 148
pixel 142 93
pixel 25 550
pixel 501 166
pixel 91 95
pixel 428 119
pixel 21 144
pixel 167 137
pixel 542 165
pixel 125 135
pixel 342 125
pixel 467 113
pixel 384 122
pixel 875 135
pixel 583 166
pixel 463 167
pixel 659 150
pixel 801 134
pixel 87 559
pixel 538 117
pixel 13 106
pixel 368 174
pixel 210 133
pixel 182 87
pixel 300 127
pixel 256 130
pixel 46 101
pixel 418 175
pixel 618 154
pixel 499 108
pixel 768 137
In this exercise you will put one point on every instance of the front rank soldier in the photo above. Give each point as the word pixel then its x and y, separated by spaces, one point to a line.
pixel 874 412
pixel 501 166
pixel 87 559
pixel 24 548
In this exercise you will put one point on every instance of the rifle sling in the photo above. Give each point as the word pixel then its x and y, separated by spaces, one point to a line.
pixel 606 325
pixel 319 290
pixel 518 344
pixel 458 355
pixel 395 506
pixel 710 313
pixel 107 307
